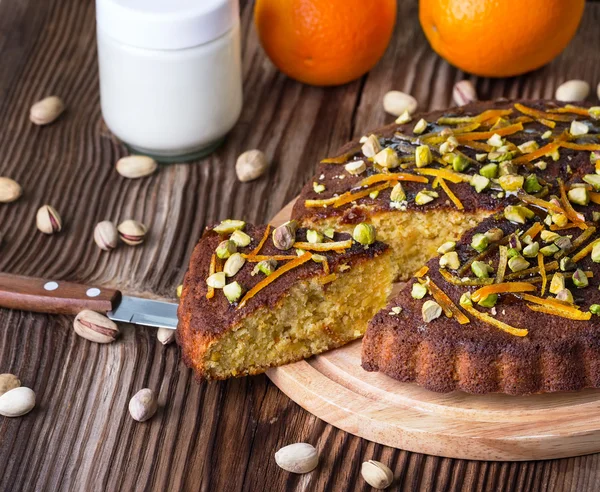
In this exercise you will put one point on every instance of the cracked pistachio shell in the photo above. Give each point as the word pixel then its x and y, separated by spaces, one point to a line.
pixel 376 474
pixel 136 166
pixel 95 327
pixel 48 220
pixel 106 235
pixel 464 93
pixel 47 110
pixel 17 402
pixel 143 405
pixel 10 190
pixel 132 232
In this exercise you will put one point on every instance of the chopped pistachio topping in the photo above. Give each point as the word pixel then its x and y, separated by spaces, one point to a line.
pixel 566 264
pixel 557 283
pixel 495 140
pixel 397 194
pixel 404 118
pixel 595 309
pixel 446 247
pixel 594 180
pixel 531 250
pixel 564 243
pixel 318 258
pixel 580 279
pixel 418 291
pixel 318 187
pixel 396 310
pixel 425 196
pixel 579 196
pixel 560 219
pixel 547 134
pixel 266 267
pixel 313 236
pixel 355 167
pixel 374 194
pixel 596 216
pixel 480 157
pixel 528 147
pixel 511 182
pixel 423 156
pixel 459 163
pixel 532 185
pixel 228 226
pixel 549 236
pixel 371 146
pixel 216 280
pixel 465 299
pixel 490 171
pixel 494 234
pixel 431 310
pixel 489 301
pixel 507 167
pixel 449 145
pixel 364 234
pixel 387 158
pixel 420 127
pixel 518 214
pixel 549 250
pixel 479 182
pixel 226 248
pixel 578 128
pixel 233 264
pixel 233 292
pixel 594 112
pixel 299 252
pixel 481 269
pixel 450 260
pixel 329 232
pixel 518 263
pixel 596 253
pixel 565 295
pixel 240 238
pixel 479 242
pixel 541 165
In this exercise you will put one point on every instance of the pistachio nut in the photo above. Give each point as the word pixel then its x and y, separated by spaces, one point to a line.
pixel 489 301
pixel 572 90
pixel 423 156
pixel 48 220
pixel 420 127
pixel 8 382
pixel 355 167
pixel 578 128
pixel 479 242
pixel 136 166
pixel 450 260
pixel 319 187
pixel 596 253
pixel 425 196
pixel 376 474
pixel 229 226
pixel 95 327
pixel 403 118
pixel 479 182
pixel 464 93
pixel 225 249
pixel 265 266
pixel 179 290
pixel 579 196
pixel 297 458
pixel 580 279
pixel 233 264
pixel 143 405
pixel 397 102
pixel 47 110
pixel 240 238
pixel 216 280
pixel 371 146
pixel 398 194
pixel 165 336
pixel 10 190
pixel 233 292
pixel 314 237
pixel 106 235
pixel 132 232
pixel 565 295
pixel 418 291
pixel 494 234
pixel 518 263
pixel 251 165
pixel 364 234
pixel 431 310
pixel 284 236
pixel 446 247
pixel 557 283
pixel 17 402
pixel 595 309
pixel 387 158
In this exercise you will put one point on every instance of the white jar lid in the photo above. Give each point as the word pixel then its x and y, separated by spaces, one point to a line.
pixel 166 24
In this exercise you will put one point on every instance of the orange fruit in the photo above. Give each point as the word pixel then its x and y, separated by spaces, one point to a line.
pixel 325 42
pixel 499 38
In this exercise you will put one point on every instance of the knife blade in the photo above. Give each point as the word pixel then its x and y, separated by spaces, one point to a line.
pixel 60 297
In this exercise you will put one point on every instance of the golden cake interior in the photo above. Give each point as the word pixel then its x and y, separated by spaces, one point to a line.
pixel 311 317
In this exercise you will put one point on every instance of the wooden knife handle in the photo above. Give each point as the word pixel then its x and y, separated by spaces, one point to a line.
pixel 55 297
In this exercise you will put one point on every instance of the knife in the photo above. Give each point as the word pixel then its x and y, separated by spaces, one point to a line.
pixel 59 297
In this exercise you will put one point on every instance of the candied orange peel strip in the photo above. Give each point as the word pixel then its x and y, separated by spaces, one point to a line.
pixel 582 253
pixel 534 230
pixel 378 178
pixel 480 118
pixel 502 263
pixel 450 309
pixel 211 269
pixel 496 323
pixel 450 194
pixel 504 287
pixel 572 214
pixel 569 108
pixel 332 246
pixel 353 196
pixel 446 174
pixel 503 132
pixel 595 197
pixel 320 203
pixel 555 304
pixel 327 279
pixel 541 115
pixel 343 158
pixel 542 268
pixel 562 311
pixel 538 202
pixel 300 260
pixel 262 242
pixel 257 258
pixel 583 237
pixel 575 146
pixel 421 272
pixel 536 154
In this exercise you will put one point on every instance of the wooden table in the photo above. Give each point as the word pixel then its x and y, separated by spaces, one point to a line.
pixel 219 436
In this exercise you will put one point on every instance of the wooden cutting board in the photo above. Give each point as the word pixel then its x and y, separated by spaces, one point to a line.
pixel 334 387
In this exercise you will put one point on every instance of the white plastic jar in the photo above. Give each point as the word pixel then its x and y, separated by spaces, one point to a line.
pixel 170 74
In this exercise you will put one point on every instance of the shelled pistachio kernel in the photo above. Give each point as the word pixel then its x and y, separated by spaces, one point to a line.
pixel 420 127
pixel 233 292
pixel 494 234
pixel 531 250
pixel 374 194
pixel 132 232
pixel 216 280
pixel 376 474
pixel 489 301
pixel 465 299
pixel 329 232
pixel 418 291
pixel 387 158
pixel 479 182
pixel 423 156
pixel 532 185
pixel 480 269
pixel 47 110
pixel 228 226
pixel 397 194
pixel 557 283
pixel 225 249
pixel 48 220
pixel 318 187
pixel 179 290
pixel 356 167
pixel 564 243
pixel 450 260
pixel 578 128
pixel 593 179
pixel 10 190
pixel 547 134
pixel 404 118
pixel 371 146
pixel 449 145
pixel 266 267
pixel 595 216
pixel 579 196
pixel 580 279
pixel 318 258
pixel 560 219
pixel 549 250
pixel 549 236
pixel 364 234
pixel 528 147
pixel 511 182
pixel 518 263
pixel 594 112
pixel 240 238
pixel 425 196
pixel 479 242
pixel 495 140
pixel 313 236
pixel 481 157
pixel 106 235
pixel 284 236
pixel 233 264
pixel 595 309
pixel 489 171
pixel 518 214
pixel 565 295
pixel 431 310
pixel 447 247
pixel 596 253
pixel 460 163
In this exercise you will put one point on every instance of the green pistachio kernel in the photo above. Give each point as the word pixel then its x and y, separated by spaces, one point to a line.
pixel 566 264
pixel 531 250
pixel 398 194
pixel 479 242
pixel 431 310
pixel 541 165
pixel 240 238
pixel 596 216
pixel 266 267
pixel 225 249
pixel 596 253
pixel 500 156
pixel 364 234
pixel 418 291
pixel 595 309
pixel 420 127
pixel 495 140
pixel 579 195
pixel 216 280
pixel 450 260
pixel 489 301
pixel 532 185
pixel 460 163
pixel 507 168
pixel 495 234
pixel 565 295
pixel 299 252
pixel 233 292
pixel 233 264
pixel 528 147
pixel 446 247
pixel 313 236
pixel 465 299
pixel 564 243
pixel 329 232
pixel 549 236
pixel 555 155
pixel 580 279
pixel 318 187
pixel 512 252
pixel 228 226
pixel 511 182
pixel 479 182
pixel 489 171
pixel 518 263
pixel 387 158
pixel 404 118
pixel 425 196
pixel 548 220
pixel 592 179
pixel 549 250
pixel 594 112
pixel 480 157
pixel 518 214
pixel 374 194
pixel 318 258
pixel 480 269
pixel 371 146
pixel 560 219
pixel 547 134
pixel 423 156
pixel 557 283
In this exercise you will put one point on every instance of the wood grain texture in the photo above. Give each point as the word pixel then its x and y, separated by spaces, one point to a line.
pixel 213 436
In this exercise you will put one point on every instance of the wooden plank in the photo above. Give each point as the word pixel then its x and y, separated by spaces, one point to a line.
pixel 219 436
